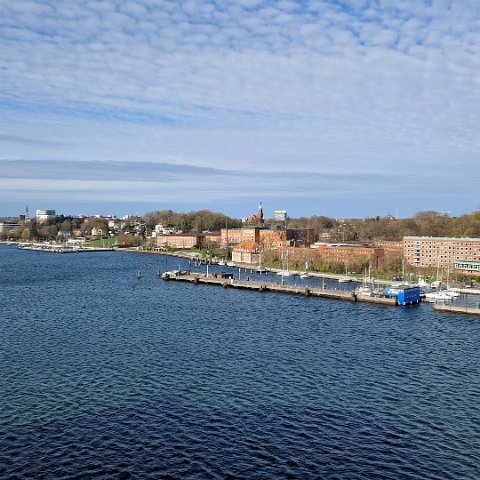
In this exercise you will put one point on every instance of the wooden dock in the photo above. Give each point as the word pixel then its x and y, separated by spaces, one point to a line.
pixel 202 279
pixel 457 309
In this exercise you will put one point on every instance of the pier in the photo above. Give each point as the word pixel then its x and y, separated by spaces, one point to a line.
pixel 225 282
pixel 457 309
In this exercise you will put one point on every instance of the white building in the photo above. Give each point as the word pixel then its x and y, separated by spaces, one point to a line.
pixel 45 215
pixel 280 215
pixel 162 230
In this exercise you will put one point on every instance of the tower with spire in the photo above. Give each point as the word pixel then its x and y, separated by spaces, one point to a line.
pixel 27 216
pixel 260 214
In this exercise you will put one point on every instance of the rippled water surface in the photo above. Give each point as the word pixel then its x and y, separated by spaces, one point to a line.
pixel 103 375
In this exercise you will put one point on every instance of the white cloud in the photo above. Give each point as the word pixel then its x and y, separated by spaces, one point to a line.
pixel 286 85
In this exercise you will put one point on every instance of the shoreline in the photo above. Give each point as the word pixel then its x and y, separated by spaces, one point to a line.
pixel 194 255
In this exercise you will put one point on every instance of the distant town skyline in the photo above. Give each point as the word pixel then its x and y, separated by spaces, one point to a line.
pixel 350 108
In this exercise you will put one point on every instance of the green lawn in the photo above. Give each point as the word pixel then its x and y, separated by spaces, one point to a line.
pixel 101 243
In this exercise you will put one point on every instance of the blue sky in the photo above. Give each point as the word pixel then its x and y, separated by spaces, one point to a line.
pixel 351 108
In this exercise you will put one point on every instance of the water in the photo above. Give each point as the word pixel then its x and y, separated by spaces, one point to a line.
pixel 107 376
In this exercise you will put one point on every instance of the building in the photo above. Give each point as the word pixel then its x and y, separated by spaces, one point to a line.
pixel 179 240
pixel 162 230
pixel 280 215
pixel 440 251
pixel 268 239
pixel 300 237
pixel 98 232
pixel 247 252
pixel 256 219
pixel 467 267
pixel 188 240
pixel 335 254
pixel 6 227
pixel 348 253
pixel 233 236
pixel 45 215
pixel 392 249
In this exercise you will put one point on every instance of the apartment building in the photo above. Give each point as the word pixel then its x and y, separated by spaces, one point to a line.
pixel 440 251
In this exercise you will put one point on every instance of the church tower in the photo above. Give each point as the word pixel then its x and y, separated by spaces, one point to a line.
pixel 260 214
pixel 27 216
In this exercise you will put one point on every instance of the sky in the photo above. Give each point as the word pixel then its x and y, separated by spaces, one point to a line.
pixel 350 108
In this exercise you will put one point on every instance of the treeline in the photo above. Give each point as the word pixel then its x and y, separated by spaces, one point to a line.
pixel 196 221
pixel 426 223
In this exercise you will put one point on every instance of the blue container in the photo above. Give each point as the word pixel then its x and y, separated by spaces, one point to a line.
pixel 405 295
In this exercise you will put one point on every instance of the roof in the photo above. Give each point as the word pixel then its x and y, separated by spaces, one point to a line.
pixel 248 245
pixel 467 239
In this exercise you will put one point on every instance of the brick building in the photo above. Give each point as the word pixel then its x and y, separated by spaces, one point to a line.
pixel 268 239
pixel 188 240
pixel 341 253
pixel 440 251
pixel 234 236
pixel 337 254
pixel 247 252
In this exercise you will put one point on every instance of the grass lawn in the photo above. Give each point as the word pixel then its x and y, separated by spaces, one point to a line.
pixel 101 243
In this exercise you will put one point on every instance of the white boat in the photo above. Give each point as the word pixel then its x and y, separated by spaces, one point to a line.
pixel 230 264
pixel 434 297
pixel 284 273
pixel 305 275
pixel 364 291
pixel 262 270
pixel 452 293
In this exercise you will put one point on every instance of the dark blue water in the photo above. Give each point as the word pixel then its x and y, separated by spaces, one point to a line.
pixel 106 376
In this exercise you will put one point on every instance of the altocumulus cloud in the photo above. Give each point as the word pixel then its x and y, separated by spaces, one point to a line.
pixel 322 89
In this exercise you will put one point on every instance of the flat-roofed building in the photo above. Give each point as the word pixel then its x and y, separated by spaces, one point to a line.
pixel 440 251
pixel 188 240
pixel 468 267
pixel 44 215
pixel 391 248
pixel 337 253
pixel 280 215
pixel 341 253
pixel 178 240
pixel 233 236
pixel 267 238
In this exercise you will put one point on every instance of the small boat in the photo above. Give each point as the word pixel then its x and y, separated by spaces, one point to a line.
pixel 434 297
pixel 262 270
pixel 452 293
pixel 305 275
pixel 230 264
pixel 364 291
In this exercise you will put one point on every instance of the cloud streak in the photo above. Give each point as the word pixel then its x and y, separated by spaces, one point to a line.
pixel 154 186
